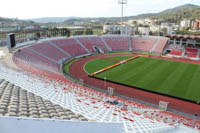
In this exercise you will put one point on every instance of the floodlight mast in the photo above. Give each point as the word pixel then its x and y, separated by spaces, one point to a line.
pixel 122 2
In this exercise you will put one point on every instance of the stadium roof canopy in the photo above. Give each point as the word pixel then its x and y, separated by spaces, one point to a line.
pixel 193 37
pixel 71 27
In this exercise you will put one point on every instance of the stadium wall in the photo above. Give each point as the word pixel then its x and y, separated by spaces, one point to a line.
pixel 27 125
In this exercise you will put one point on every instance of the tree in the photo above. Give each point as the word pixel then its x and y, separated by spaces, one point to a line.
pixel 164 30
pixel 37 36
pixel 88 31
pixel 118 32
pixel 78 32
pixel 150 33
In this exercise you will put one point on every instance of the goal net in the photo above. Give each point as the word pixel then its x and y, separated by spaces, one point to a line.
pixel 163 105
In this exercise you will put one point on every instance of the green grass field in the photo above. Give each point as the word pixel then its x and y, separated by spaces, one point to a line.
pixel 167 77
pixel 98 64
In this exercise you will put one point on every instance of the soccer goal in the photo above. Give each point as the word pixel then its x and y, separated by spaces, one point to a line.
pixel 163 105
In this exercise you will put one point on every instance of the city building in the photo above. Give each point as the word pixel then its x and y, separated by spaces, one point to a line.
pixel 119 29
pixel 144 30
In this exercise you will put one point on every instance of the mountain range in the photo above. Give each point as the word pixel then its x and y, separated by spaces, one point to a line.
pixel 115 19
pixel 172 14
pixel 51 19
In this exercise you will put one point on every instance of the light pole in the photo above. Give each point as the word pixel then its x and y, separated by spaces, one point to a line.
pixel 122 2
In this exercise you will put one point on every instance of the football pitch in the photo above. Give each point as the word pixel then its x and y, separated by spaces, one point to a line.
pixel 173 78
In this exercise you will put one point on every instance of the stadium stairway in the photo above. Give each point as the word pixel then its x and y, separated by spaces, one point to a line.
pixel 198 54
pixel 161 45
pixel 143 44
pixel 130 43
pixel 183 53
pixel 41 54
pixel 108 48
pixel 117 43
pixel 81 44
pixel 86 42
pixel 27 57
pixel 66 53
pixel 70 46
pixel 155 45
pixel 48 50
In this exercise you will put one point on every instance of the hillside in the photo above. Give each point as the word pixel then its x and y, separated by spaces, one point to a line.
pixel 8 21
pixel 51 19
pixel 183 11
pixel 168 11
pixel 175 9
pixel 172 15
pixel 177 15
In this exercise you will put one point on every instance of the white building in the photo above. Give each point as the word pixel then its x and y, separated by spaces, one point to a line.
pixel 185 23
pixel 155 28
pixel 164 25
pixel 144 30
pixel 170 30
pixel 116 29
pixel 149 21
pixel 140 21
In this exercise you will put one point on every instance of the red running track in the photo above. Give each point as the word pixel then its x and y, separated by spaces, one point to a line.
pixel 77 71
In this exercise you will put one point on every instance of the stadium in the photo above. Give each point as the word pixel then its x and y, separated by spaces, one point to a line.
pixel 132 84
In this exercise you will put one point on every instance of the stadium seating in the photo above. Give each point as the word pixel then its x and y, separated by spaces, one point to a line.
pixel 98 42
pixel 29 57
pixel 70 46
pixel 88 102
pixel 93 104
pixel 192 50
pixel 117 43
pixel 49 50
pixel 88 106
pixel 191 54
pixel 143 44
pixel 160 46
pixel 176 47
pixel 177 53
pixel 17 102
pixel 87 43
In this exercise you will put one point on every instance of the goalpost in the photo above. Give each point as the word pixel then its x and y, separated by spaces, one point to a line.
pixel 163 105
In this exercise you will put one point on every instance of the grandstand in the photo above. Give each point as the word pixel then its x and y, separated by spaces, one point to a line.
pixel 117 43
pixel 143 44
pixel 49 94
pixel 86 42
pixel 70 46
pixel 184 46
pixel 18 102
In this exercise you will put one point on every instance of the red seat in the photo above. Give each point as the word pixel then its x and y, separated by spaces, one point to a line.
pixel 178 53
pixel 117 43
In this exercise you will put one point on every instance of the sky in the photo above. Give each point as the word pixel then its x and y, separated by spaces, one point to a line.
pixel 25 9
